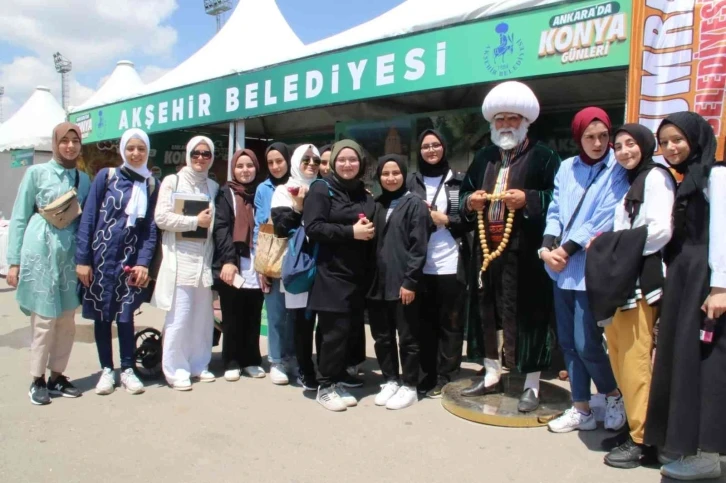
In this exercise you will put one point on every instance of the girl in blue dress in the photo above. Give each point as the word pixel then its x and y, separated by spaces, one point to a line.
pixel 115 245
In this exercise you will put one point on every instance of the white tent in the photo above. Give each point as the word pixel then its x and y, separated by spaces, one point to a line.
pixel 123 83
pixel 32 125
pixel 256 35
pixel 417 15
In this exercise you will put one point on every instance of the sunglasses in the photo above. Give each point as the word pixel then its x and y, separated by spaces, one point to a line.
pixel 203 154
pixel 308 160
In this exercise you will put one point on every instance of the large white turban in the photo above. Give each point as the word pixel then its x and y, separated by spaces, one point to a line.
pixel 513 97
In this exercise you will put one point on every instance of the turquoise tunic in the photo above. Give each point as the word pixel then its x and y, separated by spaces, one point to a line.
pixel 47 281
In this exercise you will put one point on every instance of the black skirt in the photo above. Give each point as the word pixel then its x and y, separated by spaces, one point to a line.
pixel 687 406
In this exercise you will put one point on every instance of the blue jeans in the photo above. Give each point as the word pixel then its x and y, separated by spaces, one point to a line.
pixel 280 333
pixel 126 343
pixel 582 344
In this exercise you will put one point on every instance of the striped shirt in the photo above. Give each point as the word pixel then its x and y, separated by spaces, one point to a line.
pixel 595 216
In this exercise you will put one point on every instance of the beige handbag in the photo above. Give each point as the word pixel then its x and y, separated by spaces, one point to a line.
pixel 62 211
pixel 269 252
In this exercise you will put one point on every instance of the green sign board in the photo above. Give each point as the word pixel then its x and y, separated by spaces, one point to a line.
pixel 21 157
pixel 550 41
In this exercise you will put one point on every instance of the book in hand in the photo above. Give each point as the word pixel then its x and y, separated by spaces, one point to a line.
pixel 188 204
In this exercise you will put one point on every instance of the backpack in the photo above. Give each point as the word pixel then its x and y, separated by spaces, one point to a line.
pixel 299 265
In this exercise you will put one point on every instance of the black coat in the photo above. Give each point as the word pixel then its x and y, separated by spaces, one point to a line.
pixel 401 244
pixel 460 228
pixel 284 220
pixel 225 250
pixel 342 270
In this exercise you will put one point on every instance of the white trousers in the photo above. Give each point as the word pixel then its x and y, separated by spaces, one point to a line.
pixel 188 334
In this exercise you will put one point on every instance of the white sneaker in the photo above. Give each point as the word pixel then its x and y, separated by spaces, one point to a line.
pixel 255 372
pixel 615 417
pixel 387 392
pixel 233 372
pixel 348 399
pixel 182 385
pixel 699 467
pixel 206 376
pixel 106 382
pixel 571 420
pixel 278 375
pixel 330 399
pixel 405 396
pixel 131 383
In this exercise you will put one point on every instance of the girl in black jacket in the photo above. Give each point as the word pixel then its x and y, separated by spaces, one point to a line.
pixel 337 216
pixel 444 279
pixel 233 268
pixel 401 241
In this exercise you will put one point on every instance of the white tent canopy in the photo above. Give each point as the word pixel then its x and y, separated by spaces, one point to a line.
pixel 32 125
pixel 256 35
pixel 123 83
pixel 416 15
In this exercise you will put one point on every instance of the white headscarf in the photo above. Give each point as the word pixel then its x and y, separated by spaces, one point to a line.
pixel 195 179
pixel 296 176
pixel 136 207
pixel 282 197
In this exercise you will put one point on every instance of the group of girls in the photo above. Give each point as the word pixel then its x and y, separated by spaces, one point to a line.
pixel 400 257
pixel 657 254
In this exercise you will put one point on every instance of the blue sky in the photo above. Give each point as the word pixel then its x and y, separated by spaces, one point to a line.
pixel 311 20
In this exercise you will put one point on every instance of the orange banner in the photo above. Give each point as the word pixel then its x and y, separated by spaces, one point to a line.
pixel 678 62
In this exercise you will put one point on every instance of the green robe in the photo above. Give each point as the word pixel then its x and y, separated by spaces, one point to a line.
pixel 526 287
pixel 47 283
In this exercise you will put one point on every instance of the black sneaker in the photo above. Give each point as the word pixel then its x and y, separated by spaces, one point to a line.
pixel 435 392
pixel 627 455
pixel 609 444
pixel 38 392
pixel 427 384
pixel 61 386
pixel 350 381
pixel 308 383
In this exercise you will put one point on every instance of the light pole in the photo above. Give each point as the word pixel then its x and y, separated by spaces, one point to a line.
pixel 63 66
pixel 217 8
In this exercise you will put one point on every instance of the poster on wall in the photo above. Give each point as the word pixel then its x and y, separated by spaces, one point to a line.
pixel 678 52
pixel 20 158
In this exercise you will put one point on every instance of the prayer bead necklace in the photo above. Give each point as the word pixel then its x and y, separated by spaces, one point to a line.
pixel 487 257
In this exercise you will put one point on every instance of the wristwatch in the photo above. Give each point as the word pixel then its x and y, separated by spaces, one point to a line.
pixel 540 251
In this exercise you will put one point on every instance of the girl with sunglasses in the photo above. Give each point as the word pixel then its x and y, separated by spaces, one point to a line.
pixel 184 285
pixel 287 208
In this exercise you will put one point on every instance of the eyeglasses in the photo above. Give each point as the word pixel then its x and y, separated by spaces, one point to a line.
pixel 347 160
pixel 308 160
pixel 430 147
pixel 204 154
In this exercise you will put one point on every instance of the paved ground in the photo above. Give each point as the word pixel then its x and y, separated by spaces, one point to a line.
pixel 254 431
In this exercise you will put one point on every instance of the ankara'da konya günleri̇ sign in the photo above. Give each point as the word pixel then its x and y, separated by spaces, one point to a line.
pixel 556 40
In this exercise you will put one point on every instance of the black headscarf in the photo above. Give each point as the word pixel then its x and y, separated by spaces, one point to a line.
pixel 702 142
pixel 325 148
pixel 349 185
pixel 283 149
pixel 433 170
pixel 646 142
pixel 386 196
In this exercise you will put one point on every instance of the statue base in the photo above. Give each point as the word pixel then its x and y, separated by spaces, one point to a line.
pixel 500 409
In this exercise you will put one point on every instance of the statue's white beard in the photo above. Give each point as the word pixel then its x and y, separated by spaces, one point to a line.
pixel 507 138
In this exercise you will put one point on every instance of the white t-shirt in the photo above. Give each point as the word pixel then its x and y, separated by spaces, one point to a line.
pixel 247 272
pixel 442 257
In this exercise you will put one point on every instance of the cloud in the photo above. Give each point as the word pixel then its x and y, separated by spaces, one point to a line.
pixel 24 74
pixel 90 33
pixel 94 35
